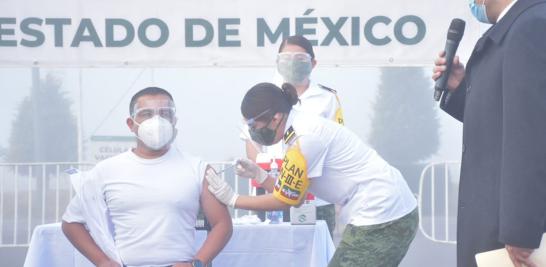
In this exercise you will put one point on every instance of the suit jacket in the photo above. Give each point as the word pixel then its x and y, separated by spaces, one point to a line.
pixel 502 104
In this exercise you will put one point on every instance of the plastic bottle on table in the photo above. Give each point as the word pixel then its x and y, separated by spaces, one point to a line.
pixel 276 215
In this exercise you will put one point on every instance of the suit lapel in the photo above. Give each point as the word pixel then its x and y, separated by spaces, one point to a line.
pixel 498 30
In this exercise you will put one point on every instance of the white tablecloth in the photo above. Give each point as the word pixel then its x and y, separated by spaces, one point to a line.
pixel 251 245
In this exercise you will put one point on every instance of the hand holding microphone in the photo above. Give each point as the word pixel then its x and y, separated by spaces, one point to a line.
pixel 448 72
pixel 456 74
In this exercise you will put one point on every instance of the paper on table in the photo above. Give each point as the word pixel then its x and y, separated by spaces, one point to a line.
pixel 247 219
pixel 500 258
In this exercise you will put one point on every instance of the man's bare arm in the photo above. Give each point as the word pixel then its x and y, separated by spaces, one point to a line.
pixel 221 226
pixel 82 240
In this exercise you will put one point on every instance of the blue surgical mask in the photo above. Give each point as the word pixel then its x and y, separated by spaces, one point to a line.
pixel 479 11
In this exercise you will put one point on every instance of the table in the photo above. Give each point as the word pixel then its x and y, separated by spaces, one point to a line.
pixel 251 245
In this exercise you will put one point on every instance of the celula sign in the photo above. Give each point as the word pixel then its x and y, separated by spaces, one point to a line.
pixel 103 147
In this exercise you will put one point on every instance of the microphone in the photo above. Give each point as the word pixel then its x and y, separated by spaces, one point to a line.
pixel 454 36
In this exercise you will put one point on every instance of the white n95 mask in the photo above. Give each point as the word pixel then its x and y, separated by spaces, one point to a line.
pixel 155 132
pixel 294 67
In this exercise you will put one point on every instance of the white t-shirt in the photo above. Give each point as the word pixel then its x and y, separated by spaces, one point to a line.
pixel 153 205
pixel 345 171
pixel 315 100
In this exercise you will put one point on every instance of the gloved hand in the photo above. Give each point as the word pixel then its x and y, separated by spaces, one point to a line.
pixel 248 169
pixel 220 188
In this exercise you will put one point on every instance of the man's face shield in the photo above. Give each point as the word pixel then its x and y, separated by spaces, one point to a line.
pixel 148 109
pixel 143 114
pixel 155 119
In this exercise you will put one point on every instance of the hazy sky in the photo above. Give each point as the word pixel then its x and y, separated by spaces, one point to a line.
pixel 207 100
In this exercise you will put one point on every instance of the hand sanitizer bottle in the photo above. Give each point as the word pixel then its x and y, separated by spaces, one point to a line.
pixel 276 215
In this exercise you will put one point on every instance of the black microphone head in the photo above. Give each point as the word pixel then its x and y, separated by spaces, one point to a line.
pixel 456 30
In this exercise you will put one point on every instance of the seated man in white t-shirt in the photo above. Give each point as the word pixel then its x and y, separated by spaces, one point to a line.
pixel 151 197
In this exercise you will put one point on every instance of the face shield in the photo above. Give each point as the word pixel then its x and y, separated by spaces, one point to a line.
pixel 142 114
pixel 155 120
pixel 294 67
pixel 264 135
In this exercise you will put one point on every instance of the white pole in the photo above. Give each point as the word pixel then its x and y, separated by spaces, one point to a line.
pixel 79 116
pixel 446 175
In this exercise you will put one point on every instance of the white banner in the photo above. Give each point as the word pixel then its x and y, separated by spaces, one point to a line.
pixel 224 32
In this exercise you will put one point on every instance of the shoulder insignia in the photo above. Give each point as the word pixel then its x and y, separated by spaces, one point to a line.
pixel 327 88
pixel 289 135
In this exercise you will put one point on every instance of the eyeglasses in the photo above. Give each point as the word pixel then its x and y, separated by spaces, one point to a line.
pixel 167 113
pixel 299 56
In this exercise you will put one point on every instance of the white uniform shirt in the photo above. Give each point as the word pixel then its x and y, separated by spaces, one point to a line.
pixel 345 171
pixel 153 206
pixel 314 100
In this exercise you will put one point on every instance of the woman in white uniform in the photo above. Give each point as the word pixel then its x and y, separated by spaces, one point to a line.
pixel 295 61
pixel 330 161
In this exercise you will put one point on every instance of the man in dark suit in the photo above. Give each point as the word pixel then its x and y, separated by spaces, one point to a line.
pixel 501 99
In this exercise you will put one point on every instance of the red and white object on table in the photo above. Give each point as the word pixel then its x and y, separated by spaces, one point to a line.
pixel 264 161
pixel 306 213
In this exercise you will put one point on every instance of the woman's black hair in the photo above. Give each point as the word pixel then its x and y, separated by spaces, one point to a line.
pixel 299 41
pixel 264 100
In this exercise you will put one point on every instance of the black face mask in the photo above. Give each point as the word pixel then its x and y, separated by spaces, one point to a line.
pixel 264 136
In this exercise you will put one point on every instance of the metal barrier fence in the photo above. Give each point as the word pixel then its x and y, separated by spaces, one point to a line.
pixel 437 200
pixel 32 194
pixel 38 193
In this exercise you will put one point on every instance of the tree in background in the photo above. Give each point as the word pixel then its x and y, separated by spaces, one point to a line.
pixel 404 128
pixel 44 129
pixel 3 152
